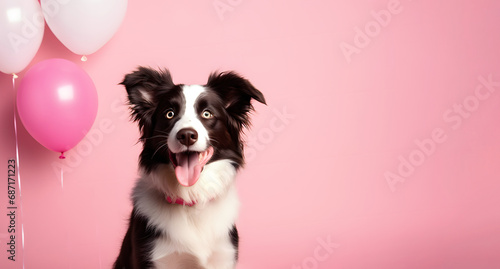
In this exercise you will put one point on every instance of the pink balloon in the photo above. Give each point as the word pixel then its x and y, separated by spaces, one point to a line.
pixel 57 103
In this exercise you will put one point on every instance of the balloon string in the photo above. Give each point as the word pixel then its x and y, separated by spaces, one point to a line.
pixel 62 180
pixel 62 157
pixel 14 76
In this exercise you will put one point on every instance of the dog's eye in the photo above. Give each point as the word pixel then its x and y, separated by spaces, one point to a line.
pixel 170 114
pixel 207 114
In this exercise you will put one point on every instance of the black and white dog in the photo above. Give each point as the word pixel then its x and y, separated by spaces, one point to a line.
pixel 185 200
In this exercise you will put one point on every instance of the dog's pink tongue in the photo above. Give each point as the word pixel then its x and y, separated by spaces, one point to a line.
pixel 188 169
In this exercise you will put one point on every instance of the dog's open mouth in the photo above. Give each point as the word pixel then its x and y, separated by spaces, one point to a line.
pixel 189 164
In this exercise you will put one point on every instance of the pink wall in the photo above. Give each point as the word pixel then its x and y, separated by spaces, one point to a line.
pixel 352 102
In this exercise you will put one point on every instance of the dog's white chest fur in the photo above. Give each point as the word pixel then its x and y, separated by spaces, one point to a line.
pixel 197 236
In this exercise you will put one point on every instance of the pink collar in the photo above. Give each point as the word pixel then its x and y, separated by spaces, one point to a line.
pixel 180 201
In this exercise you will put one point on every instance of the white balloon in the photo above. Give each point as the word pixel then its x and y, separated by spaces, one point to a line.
pixel 84 26
pixel 21 33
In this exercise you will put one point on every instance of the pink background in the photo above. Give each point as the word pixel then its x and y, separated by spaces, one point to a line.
pixel 318 156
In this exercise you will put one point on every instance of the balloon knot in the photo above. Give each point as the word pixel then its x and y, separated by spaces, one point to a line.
pixel 62 156
pixel 84 58
pixel 14 75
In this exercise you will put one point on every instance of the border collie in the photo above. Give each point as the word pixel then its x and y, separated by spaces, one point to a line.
pixel 185 202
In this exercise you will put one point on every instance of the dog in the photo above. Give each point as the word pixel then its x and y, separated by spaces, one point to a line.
pixel 185 202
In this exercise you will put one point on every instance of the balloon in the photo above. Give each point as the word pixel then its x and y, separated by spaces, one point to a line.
pixel 57 103
pixel 21 33
pixel 84 26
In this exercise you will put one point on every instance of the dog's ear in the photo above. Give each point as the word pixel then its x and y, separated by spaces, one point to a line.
pixel 142 86
pixel 237 93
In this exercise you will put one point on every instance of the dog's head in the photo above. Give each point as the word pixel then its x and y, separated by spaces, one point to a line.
pixel 190 126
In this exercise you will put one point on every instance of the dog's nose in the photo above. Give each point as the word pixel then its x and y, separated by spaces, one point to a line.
pixel 187 136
